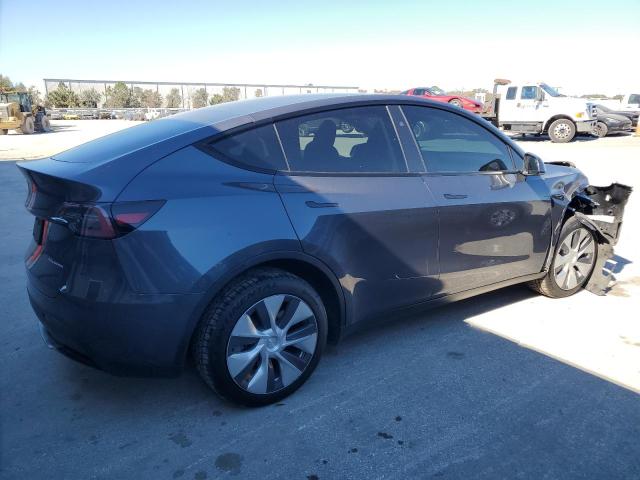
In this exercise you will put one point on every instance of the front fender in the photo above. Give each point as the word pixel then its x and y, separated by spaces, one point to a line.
pixel 601 209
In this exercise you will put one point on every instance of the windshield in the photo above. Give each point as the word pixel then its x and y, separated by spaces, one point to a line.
pixel 551 91
pixel 436 91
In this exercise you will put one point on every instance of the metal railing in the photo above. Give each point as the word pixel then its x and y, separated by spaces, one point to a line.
pixel 112 113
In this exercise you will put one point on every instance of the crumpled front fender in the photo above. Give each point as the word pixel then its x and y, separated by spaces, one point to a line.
pixel 601 209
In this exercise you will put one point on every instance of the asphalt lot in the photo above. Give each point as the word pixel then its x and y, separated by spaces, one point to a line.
pixel 434 395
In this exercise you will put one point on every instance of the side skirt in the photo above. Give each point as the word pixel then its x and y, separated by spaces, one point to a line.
pixel 437 302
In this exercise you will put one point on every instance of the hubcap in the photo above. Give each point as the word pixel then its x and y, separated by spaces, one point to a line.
pixel 562 130
pixel 574 259
pixel 272 344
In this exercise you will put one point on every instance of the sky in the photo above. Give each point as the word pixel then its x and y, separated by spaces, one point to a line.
pixel 581 46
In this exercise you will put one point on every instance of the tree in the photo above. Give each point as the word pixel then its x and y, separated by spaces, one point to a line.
pixel 230 94
pixel 215 99
pixel 119 96
pixel 36 98
pixel 90 98
pixel 199 98
pixel 258 92
pixel 151 99
pixel 174 99
pixel 62 97
pixel 5 83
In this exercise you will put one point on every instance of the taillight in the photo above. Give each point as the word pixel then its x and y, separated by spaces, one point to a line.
pixel 128 216
pixel 106 220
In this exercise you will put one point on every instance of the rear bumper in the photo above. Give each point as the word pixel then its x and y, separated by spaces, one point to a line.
pixel 140 335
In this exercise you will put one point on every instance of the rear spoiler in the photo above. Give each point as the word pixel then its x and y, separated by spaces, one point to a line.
pixel 48 192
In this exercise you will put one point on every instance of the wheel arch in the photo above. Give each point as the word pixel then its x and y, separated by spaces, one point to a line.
pixel 557 117
pixel 307 267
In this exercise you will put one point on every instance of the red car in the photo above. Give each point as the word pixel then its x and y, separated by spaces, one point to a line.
pixel 439 95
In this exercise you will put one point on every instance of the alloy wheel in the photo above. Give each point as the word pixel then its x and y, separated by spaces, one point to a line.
pixel 574 259
pixel 272 344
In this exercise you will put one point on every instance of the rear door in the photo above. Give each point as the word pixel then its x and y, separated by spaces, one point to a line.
pixel 358 207
pixel 495 223
pixel 509 105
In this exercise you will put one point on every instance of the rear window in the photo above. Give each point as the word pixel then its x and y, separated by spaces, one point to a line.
pixel 511 93
pixel 350 140
pixel 257 148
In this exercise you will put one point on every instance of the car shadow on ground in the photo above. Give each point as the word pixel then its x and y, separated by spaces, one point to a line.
pixel 124 392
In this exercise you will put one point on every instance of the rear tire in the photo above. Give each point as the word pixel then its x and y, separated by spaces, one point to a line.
pixel 456 103
pixel 562 131
pixel 601 130
pixel 28 126
pixel 571 269
pixel 237 348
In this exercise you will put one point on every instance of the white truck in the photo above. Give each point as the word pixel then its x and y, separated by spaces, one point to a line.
pixel 535 107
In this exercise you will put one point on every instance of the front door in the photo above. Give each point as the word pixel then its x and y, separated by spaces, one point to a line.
pixel 356 206
pixel 495 223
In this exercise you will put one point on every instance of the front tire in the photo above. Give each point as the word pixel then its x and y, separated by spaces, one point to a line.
pixel 562 131
pixel 601 130
pixel 46 124
pixel 573 262
pixel 28 126
pixel 261 338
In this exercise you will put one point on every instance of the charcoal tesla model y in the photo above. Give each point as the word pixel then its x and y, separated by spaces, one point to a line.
pixel 250 234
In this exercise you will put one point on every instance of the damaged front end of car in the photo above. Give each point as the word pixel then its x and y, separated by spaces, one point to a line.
pixel 601 210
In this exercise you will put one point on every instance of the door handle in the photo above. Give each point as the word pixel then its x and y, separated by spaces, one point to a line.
pixel 453 196
pixel 312 204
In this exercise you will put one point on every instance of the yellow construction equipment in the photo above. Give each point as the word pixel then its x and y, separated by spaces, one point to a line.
pixel 17 113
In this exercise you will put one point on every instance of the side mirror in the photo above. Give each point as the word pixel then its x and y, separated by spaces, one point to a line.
pixel 533 165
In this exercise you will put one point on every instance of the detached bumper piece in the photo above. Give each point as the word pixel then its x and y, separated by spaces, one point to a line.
pixel 601 209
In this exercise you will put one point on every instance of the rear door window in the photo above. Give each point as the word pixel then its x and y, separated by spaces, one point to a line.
pixel 350 140
pixel 256 149
pixel 452 143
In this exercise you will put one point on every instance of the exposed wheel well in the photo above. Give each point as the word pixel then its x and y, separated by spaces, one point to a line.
pixel 553 119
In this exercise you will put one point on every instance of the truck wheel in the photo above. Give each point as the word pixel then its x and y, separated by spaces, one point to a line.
pixel 46 124
pixel 456 103
pixel 601 130
pixel 28 126
pixel 562 131
pixel 573 262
